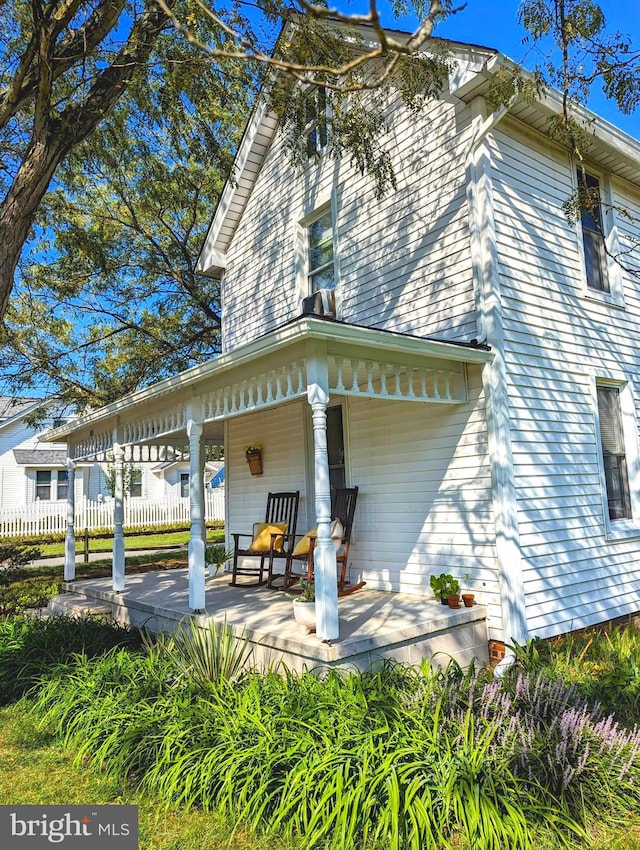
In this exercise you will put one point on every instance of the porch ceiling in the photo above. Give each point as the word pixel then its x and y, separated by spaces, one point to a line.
pixel 272 370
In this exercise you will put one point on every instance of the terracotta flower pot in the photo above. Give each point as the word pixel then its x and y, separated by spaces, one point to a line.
pixel 468 598
pixel 454 600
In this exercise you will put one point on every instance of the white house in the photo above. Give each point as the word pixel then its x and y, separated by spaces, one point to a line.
pixel 472 361
pixel 29 469
pixel 32 470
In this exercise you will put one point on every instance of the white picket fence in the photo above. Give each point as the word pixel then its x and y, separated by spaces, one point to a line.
pixel 51 517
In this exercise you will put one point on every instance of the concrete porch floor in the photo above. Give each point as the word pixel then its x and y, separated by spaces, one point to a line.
pixel 374 625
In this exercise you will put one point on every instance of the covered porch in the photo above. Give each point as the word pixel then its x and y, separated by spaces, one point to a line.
pixel 374 625
pixel 310 360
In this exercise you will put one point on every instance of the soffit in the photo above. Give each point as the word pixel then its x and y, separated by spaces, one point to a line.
pixel 609 147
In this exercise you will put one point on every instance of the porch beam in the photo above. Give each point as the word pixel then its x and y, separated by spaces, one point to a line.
pixel 70 537
pixel 325 568
pixel 196 508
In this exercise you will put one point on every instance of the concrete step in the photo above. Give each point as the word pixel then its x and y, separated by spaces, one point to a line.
pixel 74 605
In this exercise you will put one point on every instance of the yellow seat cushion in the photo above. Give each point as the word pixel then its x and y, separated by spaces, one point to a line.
pixel 262 532
pixel 304 545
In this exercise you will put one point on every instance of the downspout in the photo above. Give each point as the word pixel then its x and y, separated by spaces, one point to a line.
pixel 490 329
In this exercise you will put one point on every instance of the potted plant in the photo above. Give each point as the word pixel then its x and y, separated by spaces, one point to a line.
pixel 468 597
pixel 253 454
pixel 215 556
pixel 304 606
pixel 444 586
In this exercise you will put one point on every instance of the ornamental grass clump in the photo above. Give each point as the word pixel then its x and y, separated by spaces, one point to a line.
pixel 31 648
pixel 396 758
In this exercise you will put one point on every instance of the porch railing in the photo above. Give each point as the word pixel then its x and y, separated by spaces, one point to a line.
pixel 51 517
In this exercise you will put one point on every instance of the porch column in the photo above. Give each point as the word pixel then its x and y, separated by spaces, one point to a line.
pixel 325 570
pixel 70 538
pixel 117 570
pixel 196 510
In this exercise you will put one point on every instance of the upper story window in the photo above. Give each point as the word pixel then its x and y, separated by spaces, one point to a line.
pixel 614 456
pixel 593 234
pixel 317 122
pixel 321 252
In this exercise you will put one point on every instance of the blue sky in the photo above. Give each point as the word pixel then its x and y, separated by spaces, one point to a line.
pixel 494 23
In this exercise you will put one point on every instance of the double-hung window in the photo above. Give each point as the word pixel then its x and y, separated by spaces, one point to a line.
pixel 63 484
pixel 135 486
pixel 321 252
pixel 184 485
pixel 317 122
pixel 43 485
pixel 614 456
pixel 593 235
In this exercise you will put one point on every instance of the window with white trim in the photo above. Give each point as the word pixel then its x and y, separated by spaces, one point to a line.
pixel 62 484
pixel 184 485
pixel 321 254
pixel 317 122
pixel 593 233
pixel 43 485
pixel 135 486
pixel 614 456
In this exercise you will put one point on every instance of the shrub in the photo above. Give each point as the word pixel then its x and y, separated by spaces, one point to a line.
pixel 394 758
pixel 30 649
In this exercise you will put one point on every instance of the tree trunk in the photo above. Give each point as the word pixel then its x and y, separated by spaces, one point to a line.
pixel 18 209
pixel 53 137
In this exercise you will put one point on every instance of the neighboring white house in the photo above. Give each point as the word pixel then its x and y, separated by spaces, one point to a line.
pixel 31 470
pixel 473 366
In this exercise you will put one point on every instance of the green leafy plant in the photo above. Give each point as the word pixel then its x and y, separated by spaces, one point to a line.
pixel 205 655
pixel 444 585
pixel 307 591
pixel 217 555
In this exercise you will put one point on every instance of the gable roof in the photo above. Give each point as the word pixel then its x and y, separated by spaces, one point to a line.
pixel 40 457
pixel 254 145
pixel 12 409
pixel 614 150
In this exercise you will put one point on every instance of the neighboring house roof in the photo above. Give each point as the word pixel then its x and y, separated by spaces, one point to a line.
pixel 14 408
pixel 610 147
pixel 212 466
pixel 40 457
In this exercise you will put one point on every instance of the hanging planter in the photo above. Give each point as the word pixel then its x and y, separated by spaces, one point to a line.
pixel 253 455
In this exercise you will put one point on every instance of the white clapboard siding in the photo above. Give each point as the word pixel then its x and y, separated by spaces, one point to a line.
pixel 281 433
pixel 556 340
pixel 425 496
pixel 404 259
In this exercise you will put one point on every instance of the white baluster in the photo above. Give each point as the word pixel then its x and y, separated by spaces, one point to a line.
pixel 398 388
pixel 383 379
pixel 355 388
pixel 369 369
pixel 339 380
pixel 410 390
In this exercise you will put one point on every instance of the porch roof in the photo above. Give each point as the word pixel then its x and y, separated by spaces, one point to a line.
pixel 272 370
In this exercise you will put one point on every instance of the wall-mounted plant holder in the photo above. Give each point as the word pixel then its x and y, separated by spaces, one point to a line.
pixel 254 459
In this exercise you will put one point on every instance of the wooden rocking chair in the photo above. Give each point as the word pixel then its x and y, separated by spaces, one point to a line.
pixel 281 516
pixel 343 508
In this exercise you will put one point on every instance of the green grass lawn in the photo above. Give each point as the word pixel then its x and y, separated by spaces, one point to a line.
pixel 37 769
pixel 132 542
